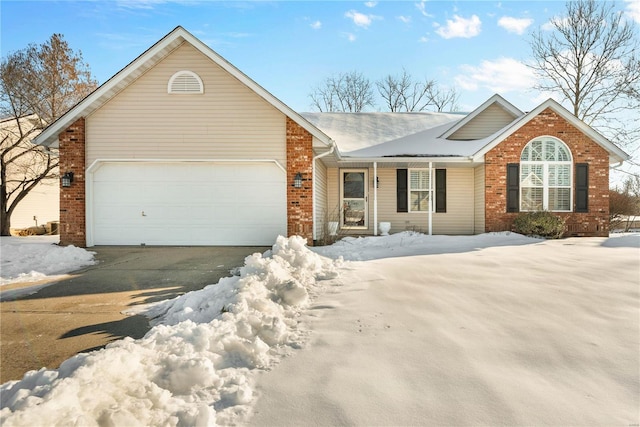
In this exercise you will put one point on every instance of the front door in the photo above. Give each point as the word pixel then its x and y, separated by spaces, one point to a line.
pixel 354 198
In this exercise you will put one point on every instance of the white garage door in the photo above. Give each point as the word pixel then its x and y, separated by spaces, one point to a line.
pixel 188 204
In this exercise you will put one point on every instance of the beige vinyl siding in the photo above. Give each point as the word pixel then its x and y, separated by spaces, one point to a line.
pixel 320 198
pixel 42 202
pixel 479 199
pixel 459 218
pixel 228 121
pixel 489 121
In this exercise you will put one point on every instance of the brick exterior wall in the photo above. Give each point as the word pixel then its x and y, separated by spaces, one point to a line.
pixel 584 150
pixel 299 200
pixel 72 199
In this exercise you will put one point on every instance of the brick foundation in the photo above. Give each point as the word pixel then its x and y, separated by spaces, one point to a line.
pixel 584 150
pixel 72 199
pixel 299 200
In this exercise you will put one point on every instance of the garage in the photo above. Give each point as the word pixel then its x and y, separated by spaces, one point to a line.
pixel 186 203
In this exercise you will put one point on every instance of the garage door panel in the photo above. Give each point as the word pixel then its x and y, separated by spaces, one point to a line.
pixel 188 204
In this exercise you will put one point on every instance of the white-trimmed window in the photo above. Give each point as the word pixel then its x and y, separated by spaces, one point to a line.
pixel 545 176
pixel 419 189
pixel 185 82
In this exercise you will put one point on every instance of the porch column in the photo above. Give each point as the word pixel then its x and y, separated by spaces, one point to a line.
pixel 430 198
pixel 375 198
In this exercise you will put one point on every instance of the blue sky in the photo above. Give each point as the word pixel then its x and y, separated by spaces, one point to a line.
pixel 478 47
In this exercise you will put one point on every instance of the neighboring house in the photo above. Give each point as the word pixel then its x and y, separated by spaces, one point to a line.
pixel 42 205
pixel 182 148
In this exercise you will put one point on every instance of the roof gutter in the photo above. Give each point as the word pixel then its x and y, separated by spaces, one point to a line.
pixel 448 159
pixel 332 147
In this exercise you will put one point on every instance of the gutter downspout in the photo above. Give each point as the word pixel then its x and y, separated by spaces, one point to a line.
pixel 616 166
pixel 332 147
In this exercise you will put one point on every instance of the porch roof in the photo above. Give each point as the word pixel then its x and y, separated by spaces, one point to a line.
pixel 427 143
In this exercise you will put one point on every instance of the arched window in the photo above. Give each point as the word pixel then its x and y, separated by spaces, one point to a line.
pixel 185 82
pixel 545 176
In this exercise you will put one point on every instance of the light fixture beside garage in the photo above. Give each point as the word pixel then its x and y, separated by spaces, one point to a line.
pixel 67 179
pixel 297 181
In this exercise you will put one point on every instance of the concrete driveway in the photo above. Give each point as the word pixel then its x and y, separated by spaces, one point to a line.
pixel 84 311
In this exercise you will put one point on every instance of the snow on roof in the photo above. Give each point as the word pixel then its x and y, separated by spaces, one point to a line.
pixel 422 144
pixel 357 131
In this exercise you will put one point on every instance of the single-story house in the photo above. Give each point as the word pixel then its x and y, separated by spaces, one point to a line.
pixel 182 148
pixel 40 208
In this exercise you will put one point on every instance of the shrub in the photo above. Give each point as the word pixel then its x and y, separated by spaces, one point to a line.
pixel 542 224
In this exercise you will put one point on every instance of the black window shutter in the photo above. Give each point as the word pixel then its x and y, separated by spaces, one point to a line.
pixel 513 187
pixel 582 187
pixel 441 190
pixel 402 198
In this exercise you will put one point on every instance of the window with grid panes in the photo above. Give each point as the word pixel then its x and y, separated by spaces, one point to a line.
pixel 418 190
pixel 545 176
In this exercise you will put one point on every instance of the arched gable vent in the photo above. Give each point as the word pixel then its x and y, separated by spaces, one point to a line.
pixel 185 82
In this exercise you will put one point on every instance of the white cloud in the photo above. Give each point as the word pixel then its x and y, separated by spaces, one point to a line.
pixel 350 36
pixel 515 25
pixel 500 76
pixel 371 3
pixel 405 19
pixel 423 9
pixel 633 10
pixel 316 25
pixel 360 19
pixel 460 27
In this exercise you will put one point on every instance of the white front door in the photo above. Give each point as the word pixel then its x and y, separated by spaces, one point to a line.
pixel 353 192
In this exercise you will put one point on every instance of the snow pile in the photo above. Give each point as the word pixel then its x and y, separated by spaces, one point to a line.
pixel 27 259
pixel 409 243
pixel 195 366
pixel 623 240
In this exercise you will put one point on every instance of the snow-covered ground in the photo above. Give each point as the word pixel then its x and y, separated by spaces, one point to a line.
pixel 33 258
pixel 406 329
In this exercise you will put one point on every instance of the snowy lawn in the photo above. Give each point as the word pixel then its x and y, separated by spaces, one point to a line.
pixel 416 330
pixel 481 330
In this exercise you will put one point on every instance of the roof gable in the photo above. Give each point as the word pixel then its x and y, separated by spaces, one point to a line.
pixel 148 60
pixel 616 154
pixel 493 115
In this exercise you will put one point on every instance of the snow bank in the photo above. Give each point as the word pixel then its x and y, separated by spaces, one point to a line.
pixel 623 240
pixel 195 366
pixel 410 243
pixel 27 259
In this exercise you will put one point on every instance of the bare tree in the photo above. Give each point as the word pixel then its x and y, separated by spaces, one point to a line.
pixel 37 85
pixel 444 99
pixel 592 59
pixel 344 92
pixel 403 94
pixel 624 203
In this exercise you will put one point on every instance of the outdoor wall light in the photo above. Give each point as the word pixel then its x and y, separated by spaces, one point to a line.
pixel 377 182
pixel 297 181
pixel 67 179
